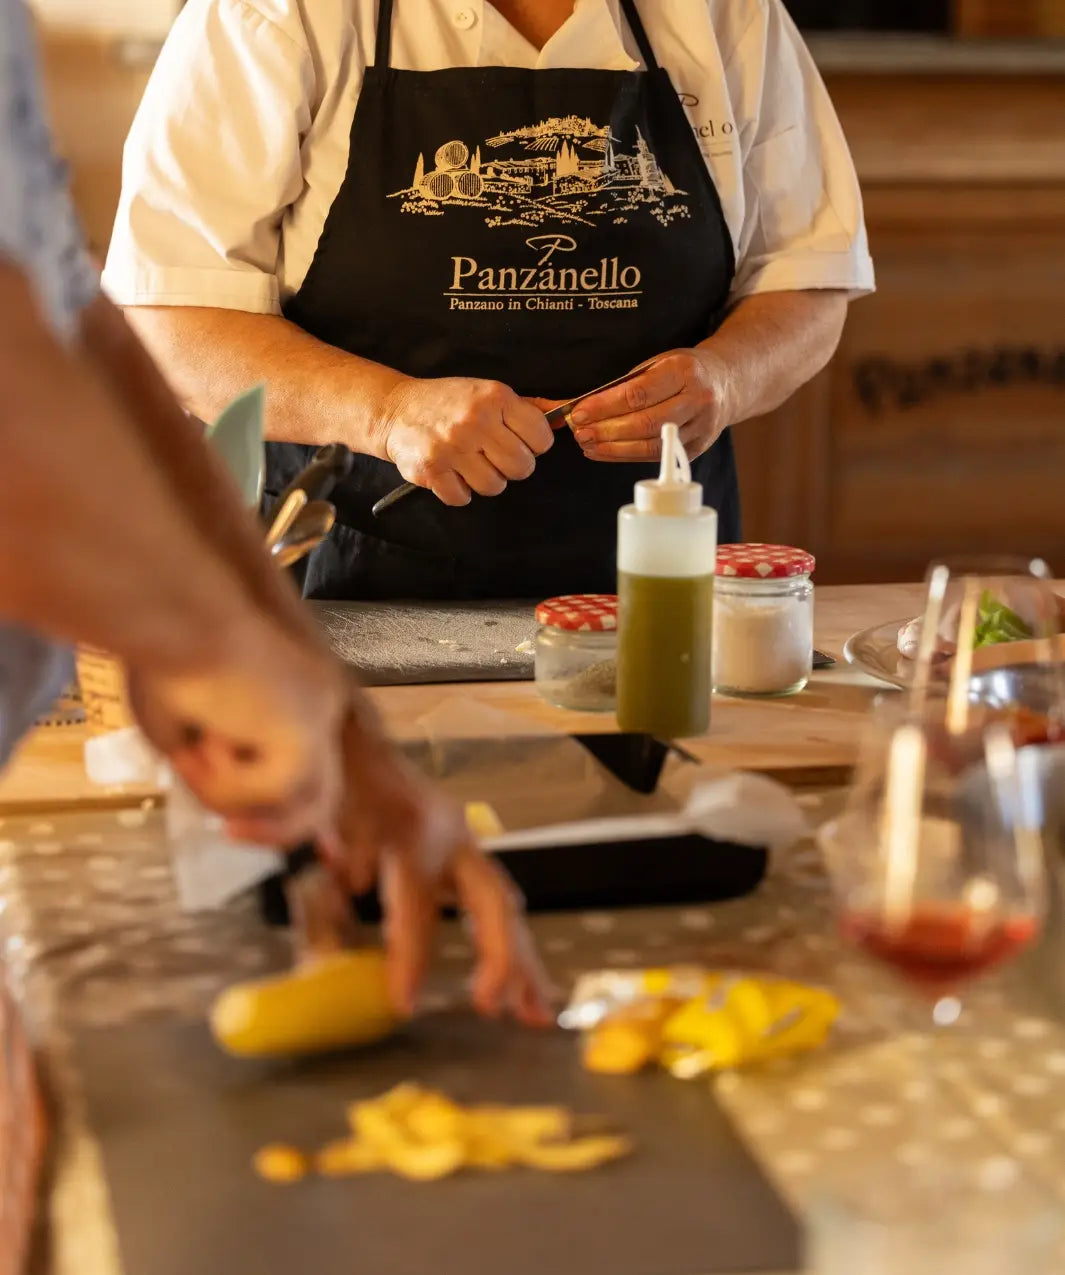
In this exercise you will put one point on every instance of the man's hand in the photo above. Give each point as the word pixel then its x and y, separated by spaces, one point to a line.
pixel 690 388
pixel 456 435
pixel 255 737
pixel 397 830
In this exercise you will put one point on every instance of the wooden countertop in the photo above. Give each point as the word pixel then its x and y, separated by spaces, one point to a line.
pixel 805 738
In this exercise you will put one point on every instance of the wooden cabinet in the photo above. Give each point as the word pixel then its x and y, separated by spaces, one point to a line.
pixel 940 425
pixel 1006 18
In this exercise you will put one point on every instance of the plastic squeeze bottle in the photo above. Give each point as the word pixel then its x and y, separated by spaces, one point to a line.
pixel 667 547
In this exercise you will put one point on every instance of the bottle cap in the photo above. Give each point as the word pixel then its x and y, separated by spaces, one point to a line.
pixel 672 493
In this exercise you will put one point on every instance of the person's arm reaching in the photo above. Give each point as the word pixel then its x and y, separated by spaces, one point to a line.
pixel 95 545
pixel 390 823
pixel 196 475
pixel 768 346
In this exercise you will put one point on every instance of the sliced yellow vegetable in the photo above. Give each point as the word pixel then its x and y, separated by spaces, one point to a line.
pixel 334 1002
pixel 520 1125
pixel 423 1136
pixel 436 1119
pixel 426 1163
pixel 482 820
pixel 573 1157
pixel 629 1040
pixel 346 1158
pixel 278 1163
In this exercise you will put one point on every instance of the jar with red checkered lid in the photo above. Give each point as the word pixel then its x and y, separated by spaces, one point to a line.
pixel 576 646
pixel 763 620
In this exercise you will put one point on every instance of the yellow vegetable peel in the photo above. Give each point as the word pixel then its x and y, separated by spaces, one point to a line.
pixel 422 1136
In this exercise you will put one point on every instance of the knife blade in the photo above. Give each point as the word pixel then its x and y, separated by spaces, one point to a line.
pixel 557 418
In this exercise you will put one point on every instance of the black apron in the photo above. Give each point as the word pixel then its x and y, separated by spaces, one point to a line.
pixel 547 229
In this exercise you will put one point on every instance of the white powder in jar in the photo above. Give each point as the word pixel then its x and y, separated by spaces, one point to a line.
pixel 762 645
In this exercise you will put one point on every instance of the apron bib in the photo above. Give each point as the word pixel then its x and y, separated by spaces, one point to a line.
pixel 547 229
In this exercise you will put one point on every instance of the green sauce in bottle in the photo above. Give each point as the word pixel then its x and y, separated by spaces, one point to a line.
pixel 667 546
pixel 664 681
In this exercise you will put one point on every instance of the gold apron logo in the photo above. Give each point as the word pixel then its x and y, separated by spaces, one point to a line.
pixel 544 286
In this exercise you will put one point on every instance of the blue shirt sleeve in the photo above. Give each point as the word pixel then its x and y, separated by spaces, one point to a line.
pixel 39 229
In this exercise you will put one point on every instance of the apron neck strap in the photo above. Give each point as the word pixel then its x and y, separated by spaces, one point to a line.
pixel 628 7
pixel 383 53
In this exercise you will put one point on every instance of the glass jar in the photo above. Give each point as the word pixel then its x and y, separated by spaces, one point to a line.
pixel 576 652
pixel 763 620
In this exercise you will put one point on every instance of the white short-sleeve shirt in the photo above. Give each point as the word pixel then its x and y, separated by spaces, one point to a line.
pixel 241 143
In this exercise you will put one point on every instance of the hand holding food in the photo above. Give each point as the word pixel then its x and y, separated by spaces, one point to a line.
pixel 423 1136
pixel 399 831
pixel 687 387
pixel 457 435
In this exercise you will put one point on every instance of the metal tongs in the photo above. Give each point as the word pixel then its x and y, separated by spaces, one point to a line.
pixel 557 418
pixel 302 516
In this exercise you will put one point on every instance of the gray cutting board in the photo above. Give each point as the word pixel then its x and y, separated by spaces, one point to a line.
pixel 178 1123
pixel 403 643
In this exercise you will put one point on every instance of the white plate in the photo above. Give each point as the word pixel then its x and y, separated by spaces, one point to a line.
pixel 876 652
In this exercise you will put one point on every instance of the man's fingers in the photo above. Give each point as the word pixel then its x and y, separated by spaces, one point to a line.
pixel 526 420
pixel 662 379
pixel 484 893
pixel 509 455
pixel 481 476
pixel 410 917
pixel 638 425
pixel 531 989
pixel 450 489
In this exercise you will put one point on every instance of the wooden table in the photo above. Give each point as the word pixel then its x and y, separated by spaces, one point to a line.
pixel 808 737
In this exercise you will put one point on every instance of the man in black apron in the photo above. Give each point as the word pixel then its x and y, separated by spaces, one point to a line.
pixel 546 229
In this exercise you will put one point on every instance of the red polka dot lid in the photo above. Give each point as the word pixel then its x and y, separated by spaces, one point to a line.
pixel 763 562
pixel 580 612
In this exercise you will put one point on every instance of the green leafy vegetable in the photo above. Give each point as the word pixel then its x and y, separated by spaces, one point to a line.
pixel 997 623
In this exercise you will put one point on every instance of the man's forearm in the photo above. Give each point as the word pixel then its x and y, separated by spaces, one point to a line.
pixel 772 344
pixel 94 546
pixel 194 472
pixel 318 394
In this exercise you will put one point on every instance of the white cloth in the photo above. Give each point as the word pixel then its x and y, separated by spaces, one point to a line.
pixel 39 233
pixel 241 143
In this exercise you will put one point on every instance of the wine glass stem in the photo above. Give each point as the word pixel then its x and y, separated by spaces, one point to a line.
pixel 931 1109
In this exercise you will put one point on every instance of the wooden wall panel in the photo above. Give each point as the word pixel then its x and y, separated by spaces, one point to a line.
pixel 940 425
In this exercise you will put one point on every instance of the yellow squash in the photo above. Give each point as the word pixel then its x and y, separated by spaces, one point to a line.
pixel 332 1002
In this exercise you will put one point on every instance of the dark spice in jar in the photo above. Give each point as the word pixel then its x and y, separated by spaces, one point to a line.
pixel 593 688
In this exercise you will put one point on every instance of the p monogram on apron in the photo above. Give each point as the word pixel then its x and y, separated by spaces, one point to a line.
pixel 546 229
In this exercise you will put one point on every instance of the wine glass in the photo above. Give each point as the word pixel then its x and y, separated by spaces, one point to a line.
pixel 937 861
pixel 988 645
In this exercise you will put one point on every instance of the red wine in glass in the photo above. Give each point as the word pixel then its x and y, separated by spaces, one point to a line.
pixel 939 946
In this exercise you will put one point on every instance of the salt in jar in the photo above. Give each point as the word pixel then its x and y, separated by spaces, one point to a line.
pixel 576 651
pixel 763 620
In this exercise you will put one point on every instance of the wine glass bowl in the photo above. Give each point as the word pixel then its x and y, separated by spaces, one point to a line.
pixel 938 859
pixel 990 627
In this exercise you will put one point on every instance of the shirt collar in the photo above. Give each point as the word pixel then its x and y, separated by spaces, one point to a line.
pixel 591 37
